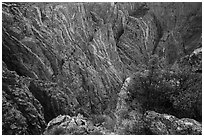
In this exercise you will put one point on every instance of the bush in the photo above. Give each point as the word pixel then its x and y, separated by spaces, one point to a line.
pixel 176 91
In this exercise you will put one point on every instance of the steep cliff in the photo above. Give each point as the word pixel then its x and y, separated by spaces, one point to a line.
pixel 22 112
pixel 76 56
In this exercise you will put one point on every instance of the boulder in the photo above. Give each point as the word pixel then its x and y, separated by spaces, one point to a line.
pixel 164 124
pixel 76 125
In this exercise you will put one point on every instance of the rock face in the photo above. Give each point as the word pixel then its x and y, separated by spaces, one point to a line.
pixel 181 23
pixel 22 112
pixel 74 57
pixel 52 98
pixel 29 104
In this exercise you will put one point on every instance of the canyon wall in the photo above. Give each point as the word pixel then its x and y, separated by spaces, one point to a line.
pixel 74 57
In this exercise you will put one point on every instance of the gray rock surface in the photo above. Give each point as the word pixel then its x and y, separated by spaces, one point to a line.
pixel 77 125
pixel 163 124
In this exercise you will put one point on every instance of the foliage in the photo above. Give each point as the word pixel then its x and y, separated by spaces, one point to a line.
pixel 107 121
pixel 132 124
pixel 175 90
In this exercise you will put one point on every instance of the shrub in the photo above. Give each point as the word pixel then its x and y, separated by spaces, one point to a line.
pixel 57 130
pixel 174 91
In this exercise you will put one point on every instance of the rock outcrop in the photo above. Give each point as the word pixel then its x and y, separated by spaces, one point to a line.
pixel 54 100
pixel 77 125
pixel 22 112
pixel 163 124
pixel 29 104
